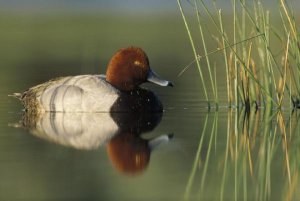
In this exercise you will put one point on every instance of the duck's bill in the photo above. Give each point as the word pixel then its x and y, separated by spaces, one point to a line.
pixel 154 78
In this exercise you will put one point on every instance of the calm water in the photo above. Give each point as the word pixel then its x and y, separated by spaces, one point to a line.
pixel 213 155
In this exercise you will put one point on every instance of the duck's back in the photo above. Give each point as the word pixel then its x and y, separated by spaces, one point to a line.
pixel 83 93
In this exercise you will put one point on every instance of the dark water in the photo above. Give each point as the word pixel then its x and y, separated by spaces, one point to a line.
pixel 211 155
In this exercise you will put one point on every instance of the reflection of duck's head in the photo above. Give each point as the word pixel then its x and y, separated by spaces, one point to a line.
pixel 130 154
pixel 129 67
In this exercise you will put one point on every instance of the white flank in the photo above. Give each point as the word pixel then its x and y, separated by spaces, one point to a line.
pixel 83 93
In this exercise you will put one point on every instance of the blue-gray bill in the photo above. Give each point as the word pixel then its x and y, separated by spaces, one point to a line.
pixel 154 78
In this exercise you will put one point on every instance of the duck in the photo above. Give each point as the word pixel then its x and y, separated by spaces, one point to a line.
pixel 117 91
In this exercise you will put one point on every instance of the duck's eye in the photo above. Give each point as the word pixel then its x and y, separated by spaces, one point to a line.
pixel 138 63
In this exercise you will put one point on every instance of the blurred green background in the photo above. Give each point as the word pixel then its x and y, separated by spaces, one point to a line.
pixel 73 43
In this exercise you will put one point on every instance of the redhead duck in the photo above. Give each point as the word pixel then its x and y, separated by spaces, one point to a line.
pixel 117 91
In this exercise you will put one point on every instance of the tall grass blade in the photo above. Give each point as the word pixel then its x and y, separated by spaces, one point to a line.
pixel 194 50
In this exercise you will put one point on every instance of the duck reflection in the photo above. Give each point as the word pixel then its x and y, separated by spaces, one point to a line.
pixel 121 132
pixel 131 154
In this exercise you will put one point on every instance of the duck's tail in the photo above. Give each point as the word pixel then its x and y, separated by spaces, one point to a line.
pixel 16 95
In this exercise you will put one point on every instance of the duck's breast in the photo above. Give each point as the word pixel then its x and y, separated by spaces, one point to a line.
pixel 84 93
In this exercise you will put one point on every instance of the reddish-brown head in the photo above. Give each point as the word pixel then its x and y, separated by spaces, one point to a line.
pixel 129 68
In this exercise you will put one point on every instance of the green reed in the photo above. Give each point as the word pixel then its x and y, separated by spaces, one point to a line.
pixel 256 72
pixel 197 161
pixel 194 51
pixel 259 159
pixel 203 164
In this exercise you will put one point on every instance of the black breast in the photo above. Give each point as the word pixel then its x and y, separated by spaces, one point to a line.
pixel 137 101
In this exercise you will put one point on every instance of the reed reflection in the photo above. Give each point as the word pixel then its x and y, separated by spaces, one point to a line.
pixel 260 156
pixel 120 132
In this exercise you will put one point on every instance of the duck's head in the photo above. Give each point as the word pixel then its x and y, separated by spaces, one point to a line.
pixel 129 67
